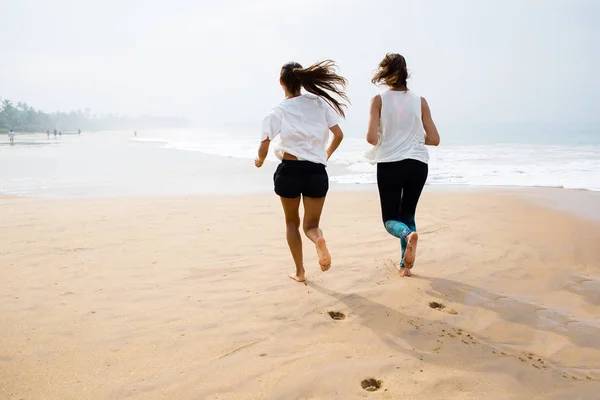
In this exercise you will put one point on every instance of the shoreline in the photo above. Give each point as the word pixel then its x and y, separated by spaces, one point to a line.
pixel 578 202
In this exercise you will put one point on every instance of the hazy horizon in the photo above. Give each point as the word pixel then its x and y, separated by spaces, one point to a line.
pixel 475 62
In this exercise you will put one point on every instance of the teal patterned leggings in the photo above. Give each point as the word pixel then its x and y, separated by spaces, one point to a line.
pixel 400 184
pixel 401 230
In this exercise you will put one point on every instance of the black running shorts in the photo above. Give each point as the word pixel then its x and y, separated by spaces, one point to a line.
pixel 294 178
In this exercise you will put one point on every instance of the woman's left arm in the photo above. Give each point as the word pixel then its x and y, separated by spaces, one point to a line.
pixel 432 136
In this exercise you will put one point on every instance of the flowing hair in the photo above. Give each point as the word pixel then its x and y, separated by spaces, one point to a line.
pixel 320 79
pixel 392 71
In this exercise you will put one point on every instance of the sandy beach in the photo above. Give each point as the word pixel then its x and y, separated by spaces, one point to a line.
pixel 188 298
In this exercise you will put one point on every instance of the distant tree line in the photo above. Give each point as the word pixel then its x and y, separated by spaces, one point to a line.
pixel 21 117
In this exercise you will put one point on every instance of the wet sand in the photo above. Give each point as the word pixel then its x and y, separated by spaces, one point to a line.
pixel 189 298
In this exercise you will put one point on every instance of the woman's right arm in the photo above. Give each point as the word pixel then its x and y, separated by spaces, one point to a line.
pixel 432 137
pixel 271 126
pixel 374 119
pixel 263 150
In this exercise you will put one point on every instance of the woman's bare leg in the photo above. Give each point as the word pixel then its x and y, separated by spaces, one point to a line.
pixel 313 207
pixel 292 234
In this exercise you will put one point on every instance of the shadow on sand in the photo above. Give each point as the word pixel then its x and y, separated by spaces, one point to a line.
pixel 518 310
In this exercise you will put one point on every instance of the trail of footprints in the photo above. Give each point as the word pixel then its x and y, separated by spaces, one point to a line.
pixel 468 340
pixel 368 384
pixel 456 334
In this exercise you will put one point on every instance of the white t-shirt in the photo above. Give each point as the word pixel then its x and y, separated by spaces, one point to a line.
pixel 303 124
pixel 401 133
pixel 11 134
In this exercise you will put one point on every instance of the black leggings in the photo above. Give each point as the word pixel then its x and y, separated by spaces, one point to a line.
pixel 400 185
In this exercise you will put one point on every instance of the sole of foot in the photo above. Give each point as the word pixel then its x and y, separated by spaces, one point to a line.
pixel 323 254
pixel 411 252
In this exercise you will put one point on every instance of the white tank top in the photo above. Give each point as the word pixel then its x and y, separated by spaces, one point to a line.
pixel 401 134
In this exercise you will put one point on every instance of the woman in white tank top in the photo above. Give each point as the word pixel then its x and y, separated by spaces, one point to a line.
pixel 400 125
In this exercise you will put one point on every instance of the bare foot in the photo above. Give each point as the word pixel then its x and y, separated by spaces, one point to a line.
pixel 411 251
pixel 323 253
pixel 403 271
pixel 298 277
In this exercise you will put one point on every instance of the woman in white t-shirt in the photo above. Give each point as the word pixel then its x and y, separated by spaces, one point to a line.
pixel 303 122
pixel 400 125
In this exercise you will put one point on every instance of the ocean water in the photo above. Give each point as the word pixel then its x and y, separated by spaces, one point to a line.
pixel 219 160
pixel 561 156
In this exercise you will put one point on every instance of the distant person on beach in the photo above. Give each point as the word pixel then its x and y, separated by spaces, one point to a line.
pixel 303 122
pixel 79 132
pixel 47 133
pixel 11 136
pixel 55 133
pixel 135 133
pixel 400 125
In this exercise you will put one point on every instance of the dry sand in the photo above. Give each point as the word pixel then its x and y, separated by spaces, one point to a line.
pixel 188 298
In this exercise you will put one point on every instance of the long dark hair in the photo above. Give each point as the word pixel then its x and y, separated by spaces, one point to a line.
pixel 320 79
pixel 392 71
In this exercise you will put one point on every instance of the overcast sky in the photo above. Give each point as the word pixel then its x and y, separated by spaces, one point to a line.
pixel 474 60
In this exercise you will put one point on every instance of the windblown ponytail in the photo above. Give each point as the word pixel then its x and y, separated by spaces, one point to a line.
pixel 392 71
pixel 319 79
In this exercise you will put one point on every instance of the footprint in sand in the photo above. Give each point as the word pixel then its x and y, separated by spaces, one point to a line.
pixel 371 384
pixel 338 316
pixel 440 307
